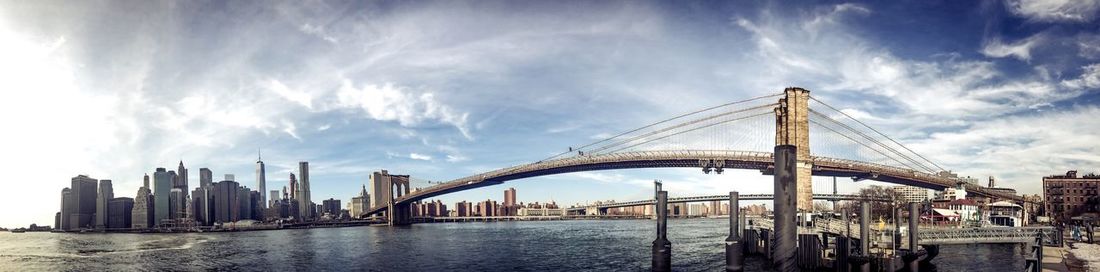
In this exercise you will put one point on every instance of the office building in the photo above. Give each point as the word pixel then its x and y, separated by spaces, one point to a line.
pixel 162 190
pixel 177 204
pixel 120 210
pixel 106 193
pixel 1070 195
pixel 330 207
pixel 293 187
pixel 143 210
pixel 304 199
pixel 226 206
pixel 244 203
pixel 908 194
pixel 66 209
pixel 181 179
pixel 510 207
pixel 201 204
pixel 206 177
pixel 84 202
pixel 360 204
pixel 256 200
pixel 261 178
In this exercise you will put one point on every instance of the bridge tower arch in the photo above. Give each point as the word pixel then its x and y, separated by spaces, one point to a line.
pixel 792 127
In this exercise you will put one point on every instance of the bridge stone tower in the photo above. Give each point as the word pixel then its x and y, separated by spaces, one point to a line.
pixel 792 127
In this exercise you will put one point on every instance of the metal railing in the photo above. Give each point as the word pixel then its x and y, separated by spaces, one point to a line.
pixel 1034 263
pixel 985 235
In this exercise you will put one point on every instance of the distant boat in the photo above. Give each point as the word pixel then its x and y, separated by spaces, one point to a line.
pixel 18 231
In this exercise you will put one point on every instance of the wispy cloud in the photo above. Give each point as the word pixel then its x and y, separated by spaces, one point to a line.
pixel 1020 49
pixel 421 157
pixel 1055 10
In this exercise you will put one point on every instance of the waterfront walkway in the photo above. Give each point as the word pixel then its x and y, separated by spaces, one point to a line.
pixel 1054 259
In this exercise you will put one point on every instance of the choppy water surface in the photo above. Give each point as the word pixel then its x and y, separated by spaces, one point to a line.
pixel 617 245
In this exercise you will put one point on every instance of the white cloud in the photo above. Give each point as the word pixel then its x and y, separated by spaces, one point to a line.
pixel 1020 49
pixel 421 157
pixel 318 31
pixel 1055 10
pixel 302 98
pixel 1020 150
pixel 858 114
pixel 600 136
pixel 1088 45
pixel 390 103
pixel 456 158
pixel 1089 79
pixel 324 127
pixel 836 63
pixel 290 129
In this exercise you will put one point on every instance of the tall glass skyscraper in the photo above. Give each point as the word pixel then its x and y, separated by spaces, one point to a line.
pixel 261 179
pixel 162 189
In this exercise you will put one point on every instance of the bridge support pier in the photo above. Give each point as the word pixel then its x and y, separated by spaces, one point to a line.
pixel 785 203
pixel 662 248
pixel 735 257
pixel 399 214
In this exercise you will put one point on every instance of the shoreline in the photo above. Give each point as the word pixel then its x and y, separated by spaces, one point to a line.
pixel 211 230
pixel 357 223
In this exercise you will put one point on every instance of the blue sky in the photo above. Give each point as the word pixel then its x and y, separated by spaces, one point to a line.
pixel 441 90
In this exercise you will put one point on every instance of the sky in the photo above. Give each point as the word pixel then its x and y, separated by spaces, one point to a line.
pixel 442 90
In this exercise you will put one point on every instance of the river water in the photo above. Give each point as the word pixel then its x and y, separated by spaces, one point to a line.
pixel 608 245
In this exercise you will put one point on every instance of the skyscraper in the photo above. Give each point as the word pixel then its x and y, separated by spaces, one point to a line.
pixel 206 177
pixel 510 197
pixel 142 212
pixel 257 205
pixel 66 208
pixel 226 206
pixel 261 178
pixel 303 199
pixel 360 204
pixel 244 203
pixel 121 210
pixel 182 181
pixel 201 204
pixel 509 202
pixel 83 197
pixel 293 188
pixel 106 193
pixel 177 204
pixel 162 188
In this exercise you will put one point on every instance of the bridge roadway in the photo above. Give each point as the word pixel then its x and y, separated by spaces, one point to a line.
pixel 762 161
pixel 726 197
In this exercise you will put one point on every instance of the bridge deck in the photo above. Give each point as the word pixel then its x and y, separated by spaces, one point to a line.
pixel 763 161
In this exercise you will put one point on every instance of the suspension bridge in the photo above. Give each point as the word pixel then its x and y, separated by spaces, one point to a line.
pixel 736 135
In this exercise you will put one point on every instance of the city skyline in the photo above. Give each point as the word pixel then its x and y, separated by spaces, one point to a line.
pixel 443 90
